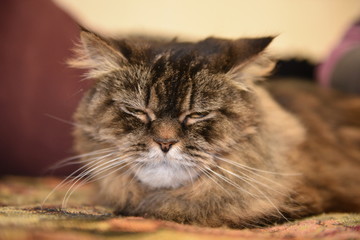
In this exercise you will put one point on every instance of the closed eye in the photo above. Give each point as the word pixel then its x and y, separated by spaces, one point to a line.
pixel 196 117
pixel 139 113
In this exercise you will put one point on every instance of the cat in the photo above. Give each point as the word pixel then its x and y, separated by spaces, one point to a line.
pixel 189 132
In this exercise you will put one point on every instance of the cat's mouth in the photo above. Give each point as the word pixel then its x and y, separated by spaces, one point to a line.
pixel 171 170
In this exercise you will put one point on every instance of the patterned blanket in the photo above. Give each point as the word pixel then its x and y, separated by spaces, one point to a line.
pixel 22 217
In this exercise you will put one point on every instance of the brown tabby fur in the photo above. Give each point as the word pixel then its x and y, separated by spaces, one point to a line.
pixel 301 156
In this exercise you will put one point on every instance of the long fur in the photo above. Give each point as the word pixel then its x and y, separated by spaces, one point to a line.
pixel 236 157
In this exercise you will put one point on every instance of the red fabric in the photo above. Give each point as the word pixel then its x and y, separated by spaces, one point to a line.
pixel 36 39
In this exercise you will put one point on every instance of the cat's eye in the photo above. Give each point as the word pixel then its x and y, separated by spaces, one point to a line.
pixel 135 111
pixel 198 115
pixel 141 114
pixel 195 117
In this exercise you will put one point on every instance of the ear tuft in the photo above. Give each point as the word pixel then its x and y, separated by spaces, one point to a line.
pixel 96 54
pixel 258 45
pixel 252 63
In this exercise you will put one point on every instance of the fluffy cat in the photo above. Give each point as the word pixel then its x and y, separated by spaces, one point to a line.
pixel 185 132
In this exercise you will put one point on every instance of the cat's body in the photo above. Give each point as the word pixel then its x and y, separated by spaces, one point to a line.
pixel 184 133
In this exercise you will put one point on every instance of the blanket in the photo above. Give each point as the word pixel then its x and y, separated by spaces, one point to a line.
pixel 23 215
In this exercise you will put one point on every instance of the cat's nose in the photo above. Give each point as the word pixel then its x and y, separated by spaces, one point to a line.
pixel 165 143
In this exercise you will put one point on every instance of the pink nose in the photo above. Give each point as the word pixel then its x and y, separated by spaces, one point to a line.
pixel 165 144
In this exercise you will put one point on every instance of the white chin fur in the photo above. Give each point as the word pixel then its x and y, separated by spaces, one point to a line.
pixel 169 170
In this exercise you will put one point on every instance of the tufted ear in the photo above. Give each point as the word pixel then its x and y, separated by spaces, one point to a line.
pixel 249 61
pixel 246 49
pixel 96 54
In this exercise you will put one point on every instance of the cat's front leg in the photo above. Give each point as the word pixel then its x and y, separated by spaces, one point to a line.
pixel 201 204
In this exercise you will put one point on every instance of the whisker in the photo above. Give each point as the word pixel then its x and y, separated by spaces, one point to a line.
pixel 257 189
pixel 93 162
pixel 107 168
pixel 255 169
pixel 91 178
pixel 66 161
pixel 108 165
pixel 137 164
pixel 231 183
pixel 265 178
pixel 188 172
pixel 255 173
pixel 246 177
pixel 211 178
pixel 90 170
pixel 63 120
pixel 112 165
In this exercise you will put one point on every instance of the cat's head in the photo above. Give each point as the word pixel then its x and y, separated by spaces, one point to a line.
pixel 168 107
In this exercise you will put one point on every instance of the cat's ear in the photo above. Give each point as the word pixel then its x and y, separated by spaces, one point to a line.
pixel 96 54
pixel 250 62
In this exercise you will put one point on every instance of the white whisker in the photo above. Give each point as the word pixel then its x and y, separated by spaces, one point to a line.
pixel 246 177
pixel 255 169
pixel 137 164
pixel 91 178
pixel 91 170
pixel 257 189
pixel 249 169
pixel 63 120
pixel 231 183
pixel 93 162
pixel 66 161
pixel 188 172
pixel 210 177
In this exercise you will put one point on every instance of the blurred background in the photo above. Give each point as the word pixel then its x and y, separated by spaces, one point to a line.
pixel 38 92
pixel 308 28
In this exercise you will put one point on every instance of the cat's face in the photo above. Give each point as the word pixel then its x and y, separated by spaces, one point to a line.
pixel 167 114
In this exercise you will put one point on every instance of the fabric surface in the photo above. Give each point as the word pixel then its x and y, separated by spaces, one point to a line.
pixel 21 217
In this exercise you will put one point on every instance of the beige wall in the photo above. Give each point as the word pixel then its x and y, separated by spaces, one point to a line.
pixel 306 28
